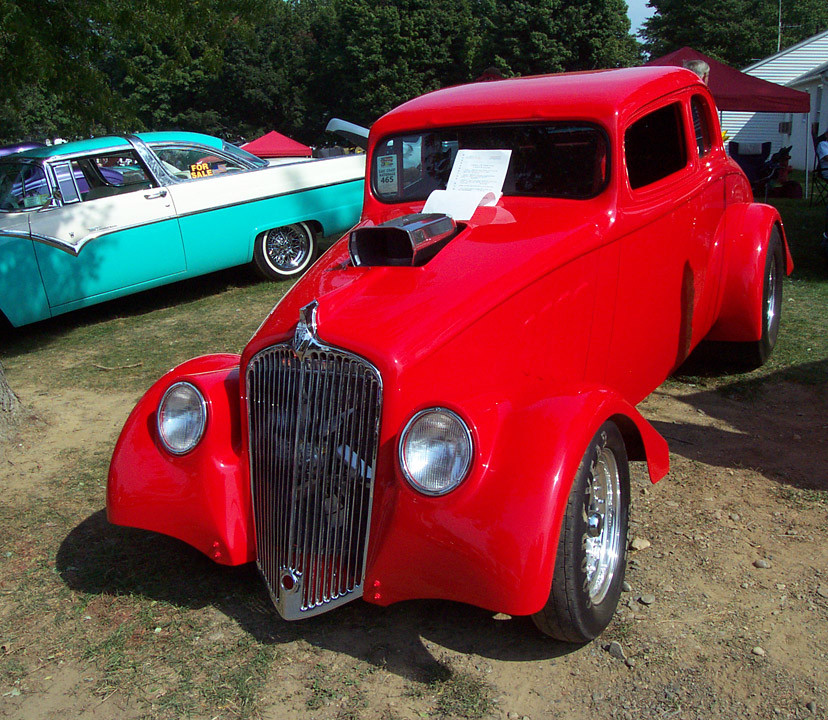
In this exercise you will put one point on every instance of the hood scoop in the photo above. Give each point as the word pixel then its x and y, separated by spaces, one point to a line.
pixel 406 241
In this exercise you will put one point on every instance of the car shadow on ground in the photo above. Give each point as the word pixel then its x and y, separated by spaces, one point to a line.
pixel 41 334
pixel 773 423
pixel 103 559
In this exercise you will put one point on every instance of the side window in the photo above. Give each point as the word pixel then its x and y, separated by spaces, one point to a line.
pixel 701 124
pixel 22 187
pixel 654 146
pixel 188 163
pixel 66 182
pixel 111 174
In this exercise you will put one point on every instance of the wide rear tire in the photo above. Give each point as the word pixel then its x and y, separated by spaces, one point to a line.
pixel 751 355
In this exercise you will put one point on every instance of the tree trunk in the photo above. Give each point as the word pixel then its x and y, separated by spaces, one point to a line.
pixel 9 404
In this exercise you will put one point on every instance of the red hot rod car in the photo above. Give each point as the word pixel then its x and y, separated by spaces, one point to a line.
pixel 444 407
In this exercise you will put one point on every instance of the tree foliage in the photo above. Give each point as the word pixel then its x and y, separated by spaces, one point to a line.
pixel 237 67
pixel 528 37
pixel 737 32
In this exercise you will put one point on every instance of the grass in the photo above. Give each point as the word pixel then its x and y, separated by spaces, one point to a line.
pixel 129 343
pixel 463 695
pixel 160 626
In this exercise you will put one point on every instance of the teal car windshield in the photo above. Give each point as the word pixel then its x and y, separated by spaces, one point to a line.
pixel 560 159
pixel 22 187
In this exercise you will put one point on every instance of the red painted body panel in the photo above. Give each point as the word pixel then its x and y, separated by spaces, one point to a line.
pixel 539 321
pixel 740 315
pixel 202 498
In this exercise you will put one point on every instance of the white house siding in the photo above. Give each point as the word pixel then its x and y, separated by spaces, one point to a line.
pixel 816 85
pixel 783 68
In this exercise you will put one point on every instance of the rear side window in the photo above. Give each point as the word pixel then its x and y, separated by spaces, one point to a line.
pixel 189 163
pixel 111 174
pixel 701 124
pixel 22 187
pixel 655 147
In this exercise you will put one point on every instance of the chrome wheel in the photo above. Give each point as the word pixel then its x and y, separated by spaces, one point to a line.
pixel 602 540
pixel 285 251
pixel 771 308
pixel 287 248
pixel 592 543
pixel 753 354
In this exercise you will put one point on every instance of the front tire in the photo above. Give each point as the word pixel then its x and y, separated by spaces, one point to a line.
pixel 285 252
pixel 591 556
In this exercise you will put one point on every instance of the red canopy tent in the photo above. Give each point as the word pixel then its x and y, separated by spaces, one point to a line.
pixel 276 145
pixel 734 90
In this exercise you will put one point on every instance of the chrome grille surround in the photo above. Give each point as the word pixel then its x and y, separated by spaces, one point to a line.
pixel 313 420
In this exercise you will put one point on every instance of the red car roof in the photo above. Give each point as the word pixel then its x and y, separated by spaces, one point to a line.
pixel 597 95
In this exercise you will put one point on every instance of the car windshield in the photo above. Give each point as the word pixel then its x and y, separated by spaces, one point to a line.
pixel 22 187
pixel 561 159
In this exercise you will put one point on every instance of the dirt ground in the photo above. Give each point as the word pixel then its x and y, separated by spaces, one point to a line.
pixel 725 615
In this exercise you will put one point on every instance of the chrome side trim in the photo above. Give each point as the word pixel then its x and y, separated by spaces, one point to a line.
pixel 24 234
pixel 75 247
pixel 271 197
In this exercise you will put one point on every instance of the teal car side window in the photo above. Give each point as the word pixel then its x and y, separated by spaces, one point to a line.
pixel 22 187
pixel 66 182
pixel 188 163
pixel 111 174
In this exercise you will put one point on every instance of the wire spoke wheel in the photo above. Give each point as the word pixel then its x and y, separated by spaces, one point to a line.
pixel 285 251
pixel 286 247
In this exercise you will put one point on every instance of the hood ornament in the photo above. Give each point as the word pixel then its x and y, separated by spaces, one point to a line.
pixel 304 337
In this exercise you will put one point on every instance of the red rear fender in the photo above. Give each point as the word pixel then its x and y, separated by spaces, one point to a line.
pixel 748 227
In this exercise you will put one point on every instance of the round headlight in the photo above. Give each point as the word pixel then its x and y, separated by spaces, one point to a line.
pixel 182 415
pixel 435 451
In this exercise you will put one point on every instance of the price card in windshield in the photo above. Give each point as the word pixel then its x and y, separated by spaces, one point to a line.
pixel 387 177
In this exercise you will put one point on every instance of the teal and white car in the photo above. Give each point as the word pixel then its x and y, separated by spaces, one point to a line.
pixel 88 221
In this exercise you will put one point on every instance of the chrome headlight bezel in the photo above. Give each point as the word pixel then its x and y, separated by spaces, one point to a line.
pixel 198 406
pixel 462 440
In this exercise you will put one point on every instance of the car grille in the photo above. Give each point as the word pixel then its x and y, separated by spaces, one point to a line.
pixel 314 429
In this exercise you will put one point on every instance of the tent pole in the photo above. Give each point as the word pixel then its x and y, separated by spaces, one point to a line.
pixel 807 159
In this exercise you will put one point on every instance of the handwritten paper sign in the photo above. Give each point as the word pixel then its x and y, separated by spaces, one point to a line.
pixel 476 180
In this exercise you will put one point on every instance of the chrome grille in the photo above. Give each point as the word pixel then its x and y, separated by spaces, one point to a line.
pixel 314 427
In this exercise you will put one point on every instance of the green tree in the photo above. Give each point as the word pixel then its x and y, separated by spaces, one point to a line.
pixel 48 51
pixel 737 32
pixel 372 55
pixel 263 82
pixel 528 37
pixel 76 67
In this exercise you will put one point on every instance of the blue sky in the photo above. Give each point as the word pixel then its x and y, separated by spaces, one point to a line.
pixel 638 12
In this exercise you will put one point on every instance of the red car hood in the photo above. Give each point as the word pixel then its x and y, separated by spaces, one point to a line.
pixel 396 314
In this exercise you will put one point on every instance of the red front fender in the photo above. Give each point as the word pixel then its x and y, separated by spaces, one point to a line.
pixel 492 542
pixel 203 497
